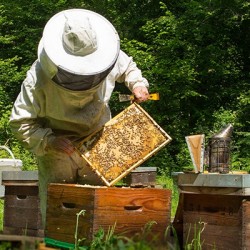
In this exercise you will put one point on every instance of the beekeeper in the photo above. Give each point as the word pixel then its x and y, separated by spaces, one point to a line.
pixel 66 93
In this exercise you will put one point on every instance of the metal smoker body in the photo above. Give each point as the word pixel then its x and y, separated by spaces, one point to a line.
pixel 219 150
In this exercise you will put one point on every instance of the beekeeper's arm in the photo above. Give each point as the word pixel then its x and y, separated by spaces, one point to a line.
pixel 132 77
pixel 26 127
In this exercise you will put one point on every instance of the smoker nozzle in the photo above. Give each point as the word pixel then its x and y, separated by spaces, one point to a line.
pixel 225 132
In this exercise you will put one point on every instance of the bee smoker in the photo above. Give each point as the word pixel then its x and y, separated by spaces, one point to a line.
pixel 219 147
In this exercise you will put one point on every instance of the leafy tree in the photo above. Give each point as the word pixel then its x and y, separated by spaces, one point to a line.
pixel 199 65
pixel 194 53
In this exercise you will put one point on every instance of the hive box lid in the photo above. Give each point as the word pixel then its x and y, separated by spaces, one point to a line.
pixel 10 163
pixel 124 143
pixel 20 175
pixel 214 180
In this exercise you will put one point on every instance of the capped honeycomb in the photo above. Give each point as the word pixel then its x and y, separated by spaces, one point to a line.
pixel 122 144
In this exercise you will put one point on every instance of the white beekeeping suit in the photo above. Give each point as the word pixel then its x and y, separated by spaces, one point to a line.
pixel 66 92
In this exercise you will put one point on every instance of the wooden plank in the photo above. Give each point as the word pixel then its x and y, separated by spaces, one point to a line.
pixel 21 190
pixel 25 218
pixel 223 204
pixel 21 202
pixel 118 198
pixel 132 208
pixel 132 226
pixel 72 196
pixel 68 210
pixel 65 228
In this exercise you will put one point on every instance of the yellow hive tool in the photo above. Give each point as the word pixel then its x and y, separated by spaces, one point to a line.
pixel 125 98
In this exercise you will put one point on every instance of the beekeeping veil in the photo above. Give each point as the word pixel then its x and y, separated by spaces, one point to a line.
pixel 78 48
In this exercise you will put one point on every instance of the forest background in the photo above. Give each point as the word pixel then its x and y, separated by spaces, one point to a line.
pixel 195 53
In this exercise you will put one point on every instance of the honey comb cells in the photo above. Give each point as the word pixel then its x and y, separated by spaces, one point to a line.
pixel 122 144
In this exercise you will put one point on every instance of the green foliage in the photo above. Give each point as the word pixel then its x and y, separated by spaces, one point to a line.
pixel 171 184
pixel 7 139
pixel 241 156
pixel 194 53
pixel 126 15
pixel 105 241
pixel 146 240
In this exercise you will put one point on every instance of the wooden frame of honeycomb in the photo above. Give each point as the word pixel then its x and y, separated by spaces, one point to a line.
pixel 125 142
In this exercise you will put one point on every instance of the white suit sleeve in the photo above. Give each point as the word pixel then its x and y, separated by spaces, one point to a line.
pixel 24 121
pixel 130 74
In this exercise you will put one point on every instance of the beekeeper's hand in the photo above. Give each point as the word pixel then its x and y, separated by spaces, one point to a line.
pixel 141 94
pixel 61 144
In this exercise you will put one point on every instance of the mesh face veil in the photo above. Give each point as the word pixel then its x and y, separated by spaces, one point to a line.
pixel 73 81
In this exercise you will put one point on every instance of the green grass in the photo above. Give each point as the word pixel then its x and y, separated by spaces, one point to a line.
pixel 169 183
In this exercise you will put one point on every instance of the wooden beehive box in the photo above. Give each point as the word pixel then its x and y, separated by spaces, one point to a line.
pixel 122 144
pixel 218 216
pixel 129 209
pixel 218 206
pixel 141 177
pixel 21 204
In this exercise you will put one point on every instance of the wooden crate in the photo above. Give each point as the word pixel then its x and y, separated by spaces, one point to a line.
pixel 21 204
pixel 141 177
pixel 129 209
pixel 219 206
pixel 124 143
pixel 218 216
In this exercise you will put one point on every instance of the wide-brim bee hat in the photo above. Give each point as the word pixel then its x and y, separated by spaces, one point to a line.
pixel 80 42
